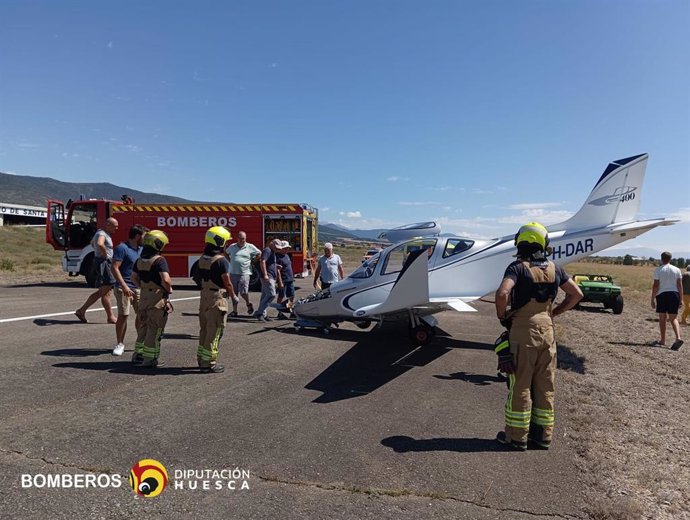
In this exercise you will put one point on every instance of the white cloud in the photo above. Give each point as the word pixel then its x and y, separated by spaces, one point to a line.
pixel 351 214
pixel 542 216
pixel 480 191
pixel 418 203
pixel 110 45
pixel 534 205
pixel 682 214
pixel 367 223
pixel 27 145
pixel 326 208
pixel 133 148
pixel 479 228
pixel 395 178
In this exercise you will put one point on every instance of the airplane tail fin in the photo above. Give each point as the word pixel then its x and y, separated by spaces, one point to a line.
pixel 615 197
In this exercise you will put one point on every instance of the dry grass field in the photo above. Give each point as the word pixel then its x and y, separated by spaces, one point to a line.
pixel 627 403
pixel 623 403
pixel 24 253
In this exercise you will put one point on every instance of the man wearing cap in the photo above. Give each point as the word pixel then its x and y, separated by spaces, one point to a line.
pixel 268 278
pixel 329 269
pixel 285 278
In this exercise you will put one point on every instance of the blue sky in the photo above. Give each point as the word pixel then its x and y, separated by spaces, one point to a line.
pixel 482 115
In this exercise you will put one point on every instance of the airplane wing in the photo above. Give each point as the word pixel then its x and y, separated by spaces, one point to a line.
pixel 640 224
pixel 458 304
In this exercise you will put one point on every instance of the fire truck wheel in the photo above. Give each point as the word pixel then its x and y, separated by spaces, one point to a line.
pixel 255 280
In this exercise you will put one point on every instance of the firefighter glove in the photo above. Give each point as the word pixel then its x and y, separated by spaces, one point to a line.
pixel 502 349
pixel 169 307
pixel 505 363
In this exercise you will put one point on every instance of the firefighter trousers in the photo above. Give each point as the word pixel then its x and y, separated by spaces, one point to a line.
pixel 213 309
pixel 529 408
pixel 151 320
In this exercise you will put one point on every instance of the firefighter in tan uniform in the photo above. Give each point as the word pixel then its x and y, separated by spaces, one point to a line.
pixel 151 273
pixel 529 357
pixel 214 271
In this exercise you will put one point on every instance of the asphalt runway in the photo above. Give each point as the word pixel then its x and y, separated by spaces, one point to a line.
pixel 352 425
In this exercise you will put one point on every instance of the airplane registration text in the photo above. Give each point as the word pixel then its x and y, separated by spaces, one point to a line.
pixel 573 248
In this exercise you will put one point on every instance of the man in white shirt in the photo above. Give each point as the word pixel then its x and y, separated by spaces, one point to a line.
pixel 666 292
pixel 241 255
pixel 329 269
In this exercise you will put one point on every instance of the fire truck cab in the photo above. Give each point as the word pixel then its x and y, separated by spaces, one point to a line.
pixel 71 226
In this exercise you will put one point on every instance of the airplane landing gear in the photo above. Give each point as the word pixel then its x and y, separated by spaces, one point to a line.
pixel 421 332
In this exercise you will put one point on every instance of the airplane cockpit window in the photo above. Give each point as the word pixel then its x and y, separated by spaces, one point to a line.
pixel 455 246
pixel 367 268
pixel 396 258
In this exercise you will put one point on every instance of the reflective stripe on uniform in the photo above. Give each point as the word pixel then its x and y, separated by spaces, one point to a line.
pixel 212 353
pixel 543 417
pixel 515 418
pixel 502 346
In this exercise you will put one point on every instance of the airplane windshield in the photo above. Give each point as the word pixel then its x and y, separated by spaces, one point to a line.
pixel 367 268
pixel 396 258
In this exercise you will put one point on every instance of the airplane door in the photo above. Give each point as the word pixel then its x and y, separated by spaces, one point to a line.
pixel 55 225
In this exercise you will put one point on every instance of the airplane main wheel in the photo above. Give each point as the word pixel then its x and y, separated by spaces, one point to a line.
pixel 363 324
pixel 423 334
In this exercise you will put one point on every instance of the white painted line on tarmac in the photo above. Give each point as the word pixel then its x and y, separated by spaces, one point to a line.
pixel 21 318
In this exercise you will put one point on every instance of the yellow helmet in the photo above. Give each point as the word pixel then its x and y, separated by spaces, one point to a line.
pixel 156 239
pixel 217 236
pixel 533 233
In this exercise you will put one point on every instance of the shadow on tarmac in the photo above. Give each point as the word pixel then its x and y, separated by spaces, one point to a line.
pixel 378 357
pixel 42 322
pixel 476 379
pixel 76 352
pixel 167 335
pixel 568 360
pixel 124 367
pixel 588 308
pixel 66 284
pixel 638 344
pixel 404 444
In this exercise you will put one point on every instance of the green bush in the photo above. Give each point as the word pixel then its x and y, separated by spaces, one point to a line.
pixel 6 264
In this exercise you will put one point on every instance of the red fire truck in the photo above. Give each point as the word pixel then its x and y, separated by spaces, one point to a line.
pixel 70 227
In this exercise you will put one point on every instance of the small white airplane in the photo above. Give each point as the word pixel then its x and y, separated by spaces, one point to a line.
pixel 421 275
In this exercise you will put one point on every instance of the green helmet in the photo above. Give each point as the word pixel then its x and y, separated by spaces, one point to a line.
pixel 156 239
pixel 533 233
pixel 217 236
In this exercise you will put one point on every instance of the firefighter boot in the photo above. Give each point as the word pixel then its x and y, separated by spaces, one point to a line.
pixel 515 445
pixel 536 437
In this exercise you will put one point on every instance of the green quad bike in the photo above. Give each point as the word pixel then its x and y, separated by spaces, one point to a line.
pixel 599 288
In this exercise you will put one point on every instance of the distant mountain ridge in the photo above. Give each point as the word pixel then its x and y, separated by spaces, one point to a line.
pixel 366 234
pixel 35 191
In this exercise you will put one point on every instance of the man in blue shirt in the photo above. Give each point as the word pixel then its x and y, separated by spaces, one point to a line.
pixel 127 293
pixel 285 278
pixel 268 278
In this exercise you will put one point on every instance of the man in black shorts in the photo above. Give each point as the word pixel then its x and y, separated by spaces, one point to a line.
pixel 666 291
